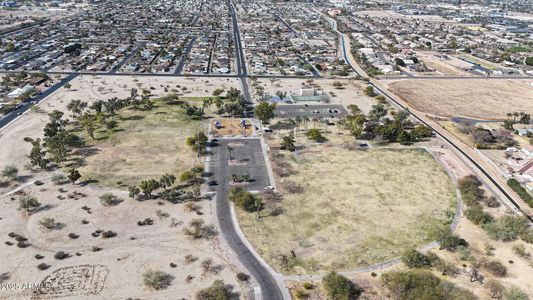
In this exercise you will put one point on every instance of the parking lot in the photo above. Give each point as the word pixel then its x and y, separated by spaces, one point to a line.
pixel 242 157
pixel 311 111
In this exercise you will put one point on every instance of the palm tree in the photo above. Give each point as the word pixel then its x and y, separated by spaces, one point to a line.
pixel 509 115
pixel 298 120
pixel 340 123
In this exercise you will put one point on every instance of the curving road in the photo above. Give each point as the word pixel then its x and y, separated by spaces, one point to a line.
pixel 483 166
pixel 218 164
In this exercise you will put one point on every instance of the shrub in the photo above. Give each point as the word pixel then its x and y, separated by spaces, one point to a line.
pixel 514 293
pixel 58 179
pixel 43 266
pixel 448 240
pixel 339 287
pixel 217 291
pixel 10 172
pixel 61 255
pixel 521 191
pixel 108 234
pixel 477 216
pixel 495 288
pixel 492 202
pixel 244 199
pixel 520 250
pixel 308 286
pixel 157 280
pixel 496 268
pixel 73 236
pixel 109 199
pixel 301 294
pixel 315 135
pixel 28 203
pixel 187 176
pixel 422 284
pixel 414 259
pixel 470 189
pixel 48 223
pixel 243 276
pixel 197 230
pixel 507 228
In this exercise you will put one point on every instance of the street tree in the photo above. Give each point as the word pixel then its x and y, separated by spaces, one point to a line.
pixel 265 112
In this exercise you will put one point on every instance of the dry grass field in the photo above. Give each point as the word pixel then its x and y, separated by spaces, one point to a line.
pixel 481 99
pixel 146 144
pixel 355 208
pixel 231 127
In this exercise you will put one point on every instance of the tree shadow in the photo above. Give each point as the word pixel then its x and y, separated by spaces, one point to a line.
pixel 132 118
pixel 24 178
pixel 88 181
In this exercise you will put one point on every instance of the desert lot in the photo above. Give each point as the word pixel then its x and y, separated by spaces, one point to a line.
pixel 112 267
pixel 342 218
pixel 473 98
pixel 350 93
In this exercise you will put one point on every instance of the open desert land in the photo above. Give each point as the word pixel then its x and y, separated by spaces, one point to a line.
pixel 447 67
pixel 94 88
pixel 479 99
pixel 111 267
pixel 395 15
pixel 351 92
pixel 89 87
pixel 336 217
pixel 107 268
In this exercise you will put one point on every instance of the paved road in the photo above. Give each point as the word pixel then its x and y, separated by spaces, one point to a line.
pixel 183 57
pixel 26 105
pixel 219 163
pixel 311 110
pixel 123 62
pixel 241 59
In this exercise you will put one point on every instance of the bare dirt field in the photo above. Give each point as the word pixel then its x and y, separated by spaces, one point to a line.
pixel 122 259
pixel 350 93
pixel 115 271
pixel 231 127
pixel 481 99
pixel 448 67
pixel 344 212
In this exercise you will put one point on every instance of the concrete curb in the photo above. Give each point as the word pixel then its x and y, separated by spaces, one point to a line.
pixel 280 279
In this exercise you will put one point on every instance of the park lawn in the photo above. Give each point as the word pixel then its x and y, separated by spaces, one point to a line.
pixel 146 144
pixel 358 208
